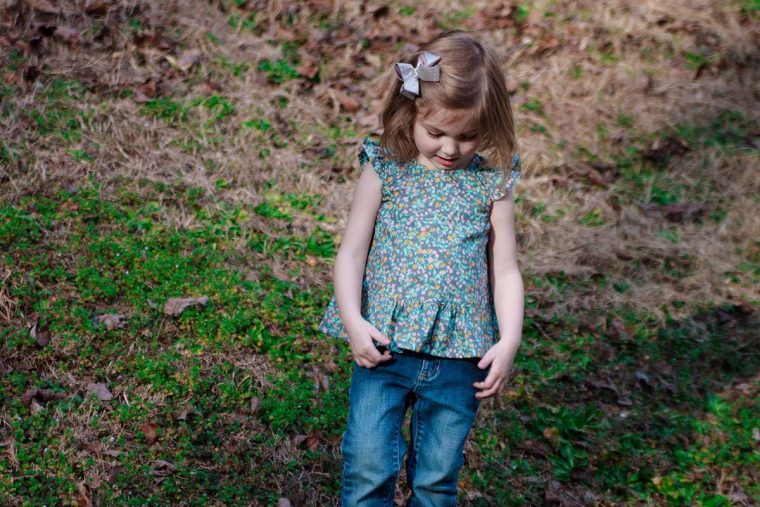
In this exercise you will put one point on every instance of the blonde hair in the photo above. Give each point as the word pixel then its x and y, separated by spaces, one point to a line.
pixel 471 79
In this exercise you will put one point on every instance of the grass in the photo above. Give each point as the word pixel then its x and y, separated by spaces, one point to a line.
pixel 636 382
pixel 192 376
pixel 126 257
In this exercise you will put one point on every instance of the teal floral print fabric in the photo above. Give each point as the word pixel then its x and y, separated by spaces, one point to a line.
pixel 426 284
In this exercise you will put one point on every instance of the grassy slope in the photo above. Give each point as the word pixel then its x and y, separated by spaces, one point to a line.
pixel 131 176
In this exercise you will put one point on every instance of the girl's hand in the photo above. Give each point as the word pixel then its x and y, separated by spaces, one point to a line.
pixel 500 358
pixel 360 339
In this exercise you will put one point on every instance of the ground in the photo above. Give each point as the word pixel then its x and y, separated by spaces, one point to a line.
pixel 187 149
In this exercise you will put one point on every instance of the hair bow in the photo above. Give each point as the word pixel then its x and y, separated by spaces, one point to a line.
pixel 427 69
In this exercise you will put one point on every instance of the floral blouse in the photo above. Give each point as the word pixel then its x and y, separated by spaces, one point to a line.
pixel 426 285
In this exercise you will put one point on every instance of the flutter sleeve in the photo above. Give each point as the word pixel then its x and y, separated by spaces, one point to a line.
pixel 386 169
pixel 501 183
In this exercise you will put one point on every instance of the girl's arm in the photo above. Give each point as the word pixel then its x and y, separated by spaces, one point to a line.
pixel 508 295
pixel 348 273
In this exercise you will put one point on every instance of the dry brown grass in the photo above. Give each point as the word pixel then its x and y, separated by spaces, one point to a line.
pixel 558 60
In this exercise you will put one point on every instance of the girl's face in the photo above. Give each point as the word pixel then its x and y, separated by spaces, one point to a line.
pixel 445 138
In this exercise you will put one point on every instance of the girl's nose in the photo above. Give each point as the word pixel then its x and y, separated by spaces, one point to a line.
pixel 449 147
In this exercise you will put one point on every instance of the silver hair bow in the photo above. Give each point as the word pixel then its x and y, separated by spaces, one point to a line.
pixel 427 69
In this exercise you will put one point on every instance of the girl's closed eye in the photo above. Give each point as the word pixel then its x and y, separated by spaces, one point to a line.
pixel 434 134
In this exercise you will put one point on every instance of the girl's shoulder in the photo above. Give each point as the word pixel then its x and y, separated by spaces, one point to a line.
pixel 371 152
pixel 499 181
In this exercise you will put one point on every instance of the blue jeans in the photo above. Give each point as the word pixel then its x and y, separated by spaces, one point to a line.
pixel 443 402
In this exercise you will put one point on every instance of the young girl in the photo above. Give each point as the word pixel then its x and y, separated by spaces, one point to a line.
pixel 427 288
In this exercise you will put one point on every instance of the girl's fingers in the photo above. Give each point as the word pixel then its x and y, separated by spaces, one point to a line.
pixel 378 336
pixel 493 379
pixel 485 361
pixel 371 357
pixel 496 389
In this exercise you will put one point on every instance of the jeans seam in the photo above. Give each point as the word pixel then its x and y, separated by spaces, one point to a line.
pixel 418 432
pixel 397 468
pixel 436 371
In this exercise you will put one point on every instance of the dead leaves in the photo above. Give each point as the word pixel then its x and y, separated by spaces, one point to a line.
pixel 175 306
pixel 42 337
pixel 595 172
pixel 661 150
pixel 96 7
pixel 162 469
pixel 42 6
pixel 100 390
pixel 37 399
pixel 84 495
pixel 339 98
pixel 149 430
pixel 185 61
pixel 678 212
pixel 307 442
pixel 110 321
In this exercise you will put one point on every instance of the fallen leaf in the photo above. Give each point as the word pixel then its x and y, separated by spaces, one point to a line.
pixel 43 338
pixel 162 469
pixel 110 321
pixel 552 435
pixel 93 447
pixel 149 430
pixel 279 274
pixel 84 497
pixel 680 212
pixel 643 378
pixel 283 502
pixel 661 150
pixel 95 6
pixel 255 405
pixel 209 87
pixel 350 104
pixel 589 498
pixel 309 67
pixel 312 441
pixel 188 58
pixel 183 413
pixel 66 34
pixel 40 396
pixel 175 306
pixel 112 452
pixel 100 390
pixel 42 6
pixel 331 366
pixel 147 90
pixel 606 384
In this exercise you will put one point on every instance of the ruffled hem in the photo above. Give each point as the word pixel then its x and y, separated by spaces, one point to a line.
pixel 443 329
